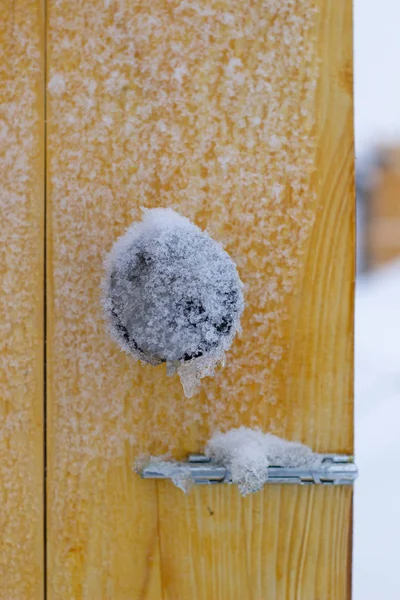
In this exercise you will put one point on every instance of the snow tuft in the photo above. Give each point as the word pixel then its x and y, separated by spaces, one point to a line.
pixel 249 452
pixel 172 294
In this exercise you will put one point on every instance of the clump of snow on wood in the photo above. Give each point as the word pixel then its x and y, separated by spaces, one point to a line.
pixel 249 452
pixel 172 294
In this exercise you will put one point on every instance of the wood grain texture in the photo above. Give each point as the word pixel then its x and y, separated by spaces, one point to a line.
pixel 282 543
pixel 238 115
pixel 21 299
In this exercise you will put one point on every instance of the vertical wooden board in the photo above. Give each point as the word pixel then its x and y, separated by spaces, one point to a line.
pixel 21 299
pixel 102 528
pixel 238 115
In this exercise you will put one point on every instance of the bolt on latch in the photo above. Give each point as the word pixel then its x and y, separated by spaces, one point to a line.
pixel 331 469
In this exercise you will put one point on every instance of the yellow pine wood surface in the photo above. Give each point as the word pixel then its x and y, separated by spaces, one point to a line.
pixel 239 115
pixel 21 299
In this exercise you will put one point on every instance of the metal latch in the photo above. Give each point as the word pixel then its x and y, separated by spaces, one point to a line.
pixel 329 469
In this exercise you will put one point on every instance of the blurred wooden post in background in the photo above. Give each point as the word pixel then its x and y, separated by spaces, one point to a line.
pixel 383 210
pixel 21 299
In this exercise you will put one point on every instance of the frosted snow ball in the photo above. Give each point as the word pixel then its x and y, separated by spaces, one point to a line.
pixel 171 293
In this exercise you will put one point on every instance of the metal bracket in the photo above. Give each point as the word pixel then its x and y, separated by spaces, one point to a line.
pixel 330 469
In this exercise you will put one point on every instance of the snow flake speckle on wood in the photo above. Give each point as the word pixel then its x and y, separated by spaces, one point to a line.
pixel 56 85
pixel 21 308
pixel 377 396
pixel 164 149
pixel 172 294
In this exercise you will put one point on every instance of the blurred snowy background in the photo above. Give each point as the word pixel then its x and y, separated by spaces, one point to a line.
pixel 377 439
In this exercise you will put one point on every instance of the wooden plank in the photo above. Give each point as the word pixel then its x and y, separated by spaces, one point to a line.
pixel 238 115
pixel 21 299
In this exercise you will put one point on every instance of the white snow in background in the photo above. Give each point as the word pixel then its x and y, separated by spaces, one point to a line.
pixel 249 452
pixel 376 80
pixel 172 294
pixel 377 439
pixel 377 390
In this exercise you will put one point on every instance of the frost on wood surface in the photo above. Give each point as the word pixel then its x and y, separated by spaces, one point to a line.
pixel 21 277
pixel 182 105
pixel 172 294
pixel 377 395
pixel 249 452
pixel 151 105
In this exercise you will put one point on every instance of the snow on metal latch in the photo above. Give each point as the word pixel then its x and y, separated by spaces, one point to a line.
pixel 332 469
